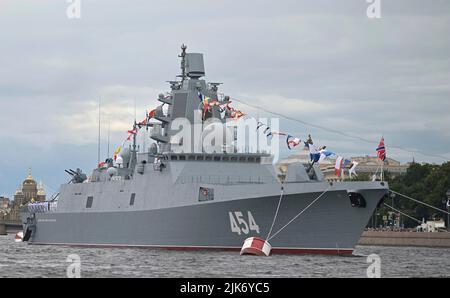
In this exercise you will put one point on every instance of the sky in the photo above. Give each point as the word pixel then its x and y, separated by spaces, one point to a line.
pixel 323 62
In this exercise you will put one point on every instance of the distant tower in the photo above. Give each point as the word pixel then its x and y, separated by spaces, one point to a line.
pixel 29 188
pixel 18 196
pixel 40 192
pixel 29 191
pixel 26 192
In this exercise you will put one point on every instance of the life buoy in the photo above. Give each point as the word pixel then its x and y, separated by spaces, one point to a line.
pixel 256 246
pixel 18 237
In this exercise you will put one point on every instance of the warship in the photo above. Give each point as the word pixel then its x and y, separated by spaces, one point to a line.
pixel 164 198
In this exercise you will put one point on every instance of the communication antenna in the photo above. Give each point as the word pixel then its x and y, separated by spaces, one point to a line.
pixel 109 134
pixel 183 62
pixel 134 127
pixel 144 136
pixel 99 127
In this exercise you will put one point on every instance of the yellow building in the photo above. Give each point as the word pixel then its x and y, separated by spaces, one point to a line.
pixel 28 191
pixel 4 203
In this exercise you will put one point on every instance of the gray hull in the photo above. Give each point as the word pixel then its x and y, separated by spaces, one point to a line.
pixel 331 225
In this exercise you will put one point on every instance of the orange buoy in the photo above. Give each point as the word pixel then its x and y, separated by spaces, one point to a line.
pixel 18 237
pixel 256 246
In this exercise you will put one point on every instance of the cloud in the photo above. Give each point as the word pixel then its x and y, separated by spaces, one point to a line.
pixel 322 61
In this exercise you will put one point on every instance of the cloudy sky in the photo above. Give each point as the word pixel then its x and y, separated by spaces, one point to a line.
pixel 323 62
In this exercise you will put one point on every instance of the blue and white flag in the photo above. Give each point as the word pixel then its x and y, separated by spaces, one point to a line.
pixel 347 162
pixel 324 154
pixel 314 153
pixel 200 96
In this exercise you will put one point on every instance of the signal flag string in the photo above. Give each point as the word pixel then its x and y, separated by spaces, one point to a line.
pixel 336 131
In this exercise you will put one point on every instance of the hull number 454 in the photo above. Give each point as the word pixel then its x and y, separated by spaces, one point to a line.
pixel 240 225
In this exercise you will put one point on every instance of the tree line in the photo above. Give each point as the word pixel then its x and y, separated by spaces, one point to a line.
pixel 428 183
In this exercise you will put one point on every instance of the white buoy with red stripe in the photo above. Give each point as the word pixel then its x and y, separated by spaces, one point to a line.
pixel 18 237
pixel 256 246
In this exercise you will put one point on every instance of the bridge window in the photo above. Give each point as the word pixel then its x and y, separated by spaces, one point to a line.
pixel 89 202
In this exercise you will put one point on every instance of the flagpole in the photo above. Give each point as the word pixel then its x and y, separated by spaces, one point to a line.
pixel 448 210
pixel 109 134
pixel 99 127
pixel 382 161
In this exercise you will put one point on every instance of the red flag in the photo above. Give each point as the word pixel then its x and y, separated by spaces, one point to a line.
pixel 143 122
pixel 338 166
pixel 151 114
pixel 133 132
pixel 381 150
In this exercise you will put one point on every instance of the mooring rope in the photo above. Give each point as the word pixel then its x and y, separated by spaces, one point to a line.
pixel 420 202
pixel 301 212
pixel 402 213
pixel 276 212
pixel 335 131
pixel 440 229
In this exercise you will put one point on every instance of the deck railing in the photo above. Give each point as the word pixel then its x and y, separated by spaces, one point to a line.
pixel 41 207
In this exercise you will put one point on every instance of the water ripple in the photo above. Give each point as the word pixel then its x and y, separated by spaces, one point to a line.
pixel 23 260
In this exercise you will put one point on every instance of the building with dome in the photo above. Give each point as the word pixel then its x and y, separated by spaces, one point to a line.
pixel 4 203
pixel 28 191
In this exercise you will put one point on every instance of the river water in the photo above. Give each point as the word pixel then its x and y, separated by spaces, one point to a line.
pixel 23 260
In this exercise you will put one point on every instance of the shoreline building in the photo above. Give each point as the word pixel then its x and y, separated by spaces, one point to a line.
pixel 4 203
pixel 28 191
pixel 366 165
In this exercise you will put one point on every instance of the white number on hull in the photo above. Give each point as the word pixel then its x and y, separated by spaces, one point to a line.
pixel 241 226
pixel 252 223
pixel 234 226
